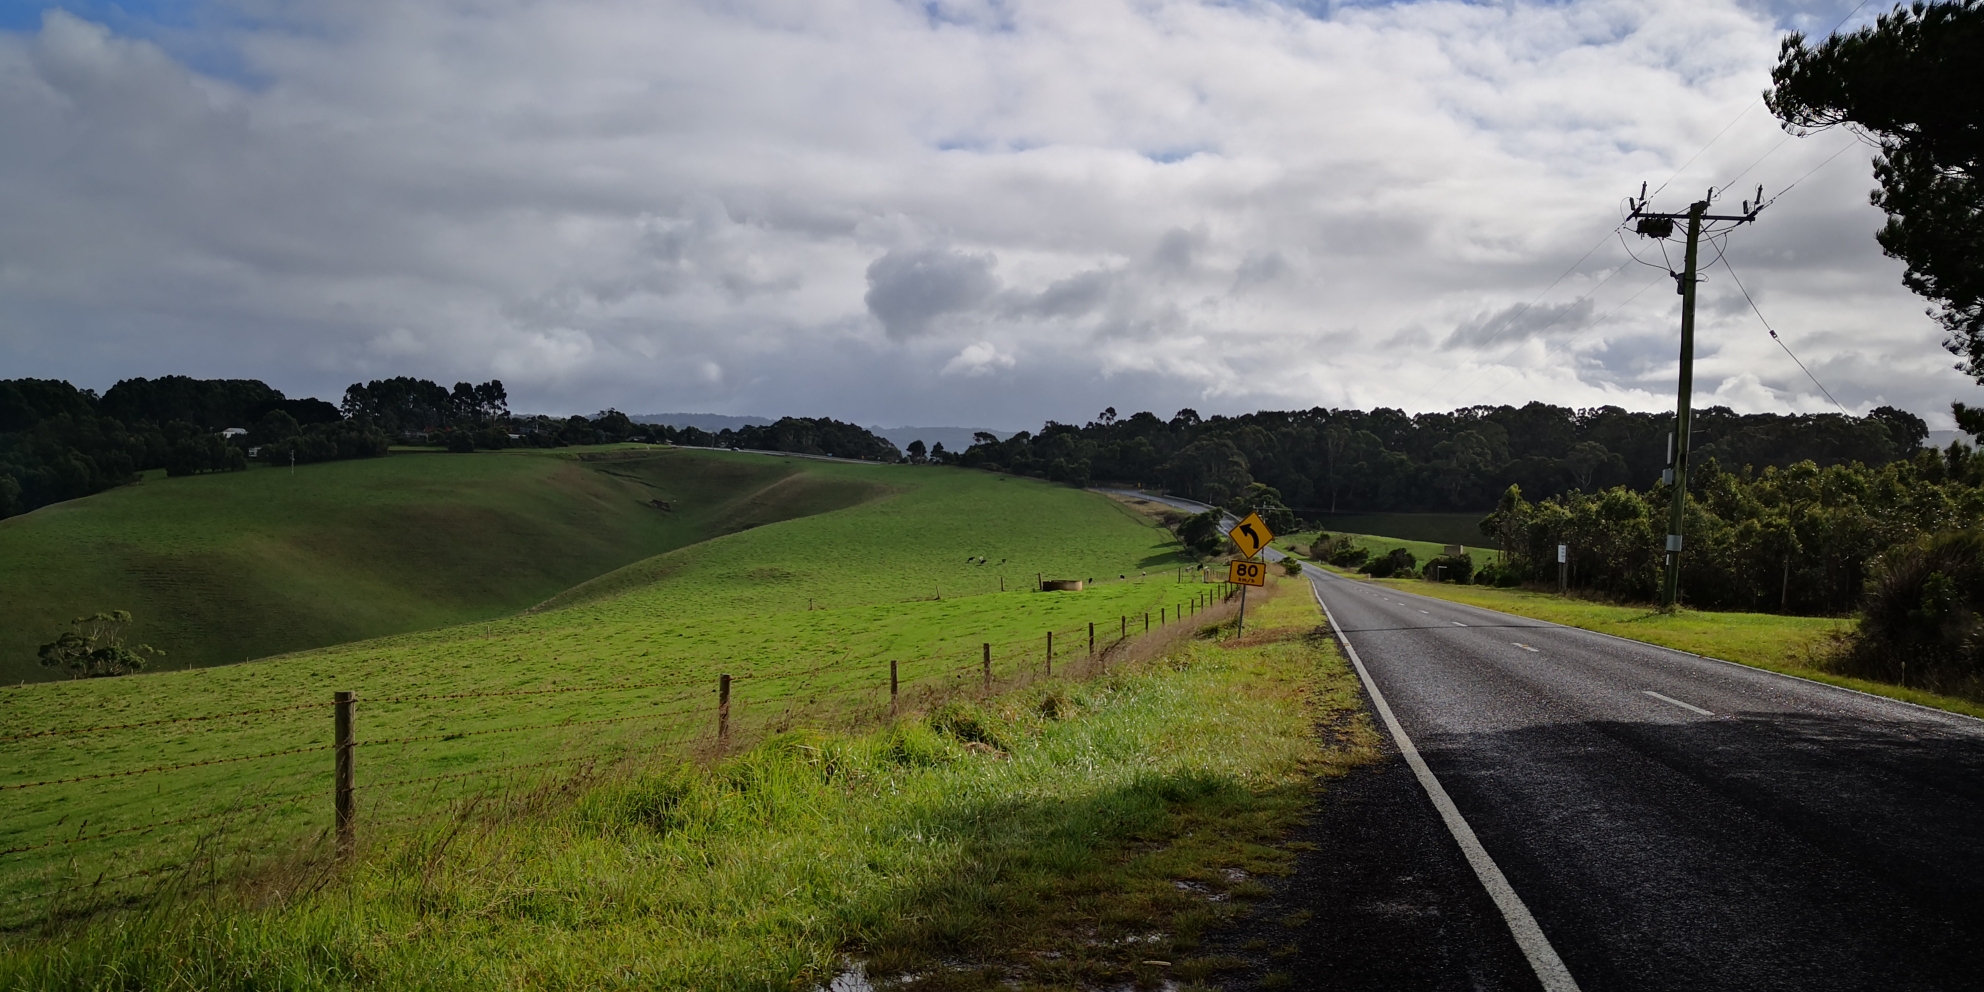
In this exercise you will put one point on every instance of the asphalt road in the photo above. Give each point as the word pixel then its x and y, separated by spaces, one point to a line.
pixel 1667 821
pixel 1673 822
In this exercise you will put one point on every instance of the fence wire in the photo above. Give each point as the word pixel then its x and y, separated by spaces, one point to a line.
pixel 837 686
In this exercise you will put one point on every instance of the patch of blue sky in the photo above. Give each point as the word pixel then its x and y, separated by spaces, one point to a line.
pixel 1170 155
pixel 199 33
pixel 134 17
pixel 983 15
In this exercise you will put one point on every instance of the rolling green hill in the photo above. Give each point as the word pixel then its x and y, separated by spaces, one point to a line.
pixel 221 568
pixel 807 612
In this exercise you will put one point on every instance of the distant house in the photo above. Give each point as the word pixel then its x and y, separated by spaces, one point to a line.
pixel 234 432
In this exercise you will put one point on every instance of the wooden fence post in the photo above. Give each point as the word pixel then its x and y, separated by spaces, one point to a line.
pixel 988 665
pixel 1050 653
pixel 1091 638
pixel 722 709
pixel 1124 623
pixel 342 747
pixel 1146 621
pixel 892 685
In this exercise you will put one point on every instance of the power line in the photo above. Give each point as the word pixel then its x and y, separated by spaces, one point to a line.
pixel 1698 152
pixel 1808 173
pixel 1724 259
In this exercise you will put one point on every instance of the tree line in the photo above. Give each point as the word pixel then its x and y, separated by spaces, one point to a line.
pixel 1328 460
pixel 58 442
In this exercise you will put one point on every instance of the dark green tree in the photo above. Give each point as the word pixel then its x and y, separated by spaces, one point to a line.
pixel 93 647
pixel 1914 81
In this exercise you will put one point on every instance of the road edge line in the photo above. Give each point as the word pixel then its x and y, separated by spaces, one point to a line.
pixel 1543 959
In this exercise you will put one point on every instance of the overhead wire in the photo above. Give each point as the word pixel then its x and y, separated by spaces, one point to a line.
pixel 1524 308
pixel 1775 337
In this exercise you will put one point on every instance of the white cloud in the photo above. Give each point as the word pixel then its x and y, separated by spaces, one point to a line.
pixel 1160 204
pixel 978 358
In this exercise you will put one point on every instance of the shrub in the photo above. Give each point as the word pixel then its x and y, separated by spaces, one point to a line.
pixel 1201 533
pixel 1349 557
pixel 1923 616
pixel 1396 563
pixel 1451 568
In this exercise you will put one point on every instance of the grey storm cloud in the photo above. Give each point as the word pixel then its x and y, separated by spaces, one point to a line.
pixel 929 216
pixel 1515 323
pixel 909 289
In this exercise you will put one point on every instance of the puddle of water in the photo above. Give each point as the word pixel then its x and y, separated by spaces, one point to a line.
pixel 853 979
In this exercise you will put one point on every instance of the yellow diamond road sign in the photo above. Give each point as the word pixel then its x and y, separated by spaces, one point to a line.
pixel 1251 535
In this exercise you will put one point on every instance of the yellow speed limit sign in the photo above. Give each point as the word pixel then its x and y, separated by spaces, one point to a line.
pixel 1247 573
pixel 1250 536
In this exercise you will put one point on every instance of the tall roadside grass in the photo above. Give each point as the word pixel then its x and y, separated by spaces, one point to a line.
pixel 1065 832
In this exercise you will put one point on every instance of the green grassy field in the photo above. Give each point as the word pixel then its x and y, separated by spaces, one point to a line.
pixel 221 568
pixel 806 612
pixel 1059 834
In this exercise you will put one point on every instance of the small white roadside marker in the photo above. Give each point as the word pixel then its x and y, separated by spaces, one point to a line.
pixel 1525 647
pixel 1670 699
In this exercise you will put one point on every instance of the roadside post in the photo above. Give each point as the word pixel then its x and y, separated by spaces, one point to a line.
pixel 1563 559
pixel 1250 536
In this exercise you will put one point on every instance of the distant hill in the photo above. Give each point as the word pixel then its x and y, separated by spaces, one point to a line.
pixel 952 438
pixel 711 422
pixel 221 568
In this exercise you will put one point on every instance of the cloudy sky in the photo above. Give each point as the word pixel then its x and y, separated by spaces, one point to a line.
pixel 974 212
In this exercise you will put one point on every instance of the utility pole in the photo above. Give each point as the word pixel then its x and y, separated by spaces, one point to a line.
pixel 1661 226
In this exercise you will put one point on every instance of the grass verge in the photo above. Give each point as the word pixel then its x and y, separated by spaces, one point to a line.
pixel 1790 645
pixel 1378 546
pixel 1063 833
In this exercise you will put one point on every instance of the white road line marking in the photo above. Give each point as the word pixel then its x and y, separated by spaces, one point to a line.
pixel 1671 699
pixel 1529 936
pixel 1426 612
pixel 1457 623
pixel 1525 647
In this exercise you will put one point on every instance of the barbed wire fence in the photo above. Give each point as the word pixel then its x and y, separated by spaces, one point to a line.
pixel 190 813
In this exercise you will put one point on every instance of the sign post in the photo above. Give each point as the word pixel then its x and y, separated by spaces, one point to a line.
pixel 1250 536
pixel 1563 557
